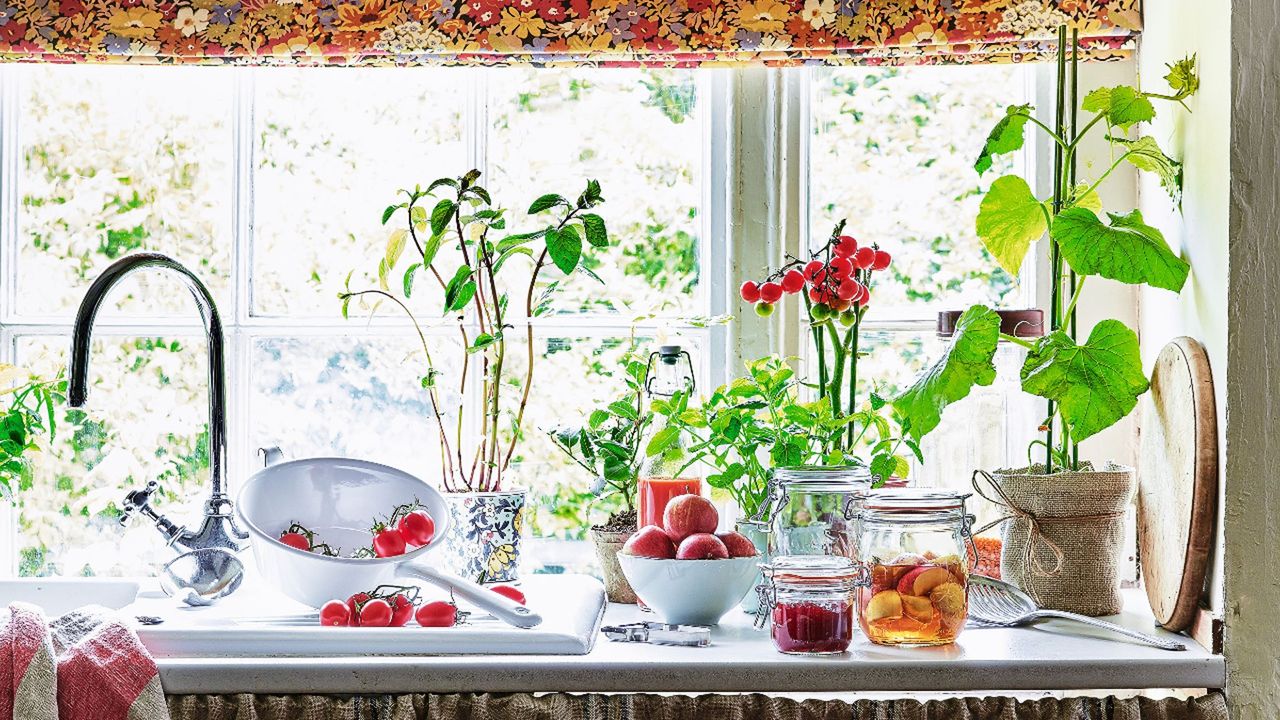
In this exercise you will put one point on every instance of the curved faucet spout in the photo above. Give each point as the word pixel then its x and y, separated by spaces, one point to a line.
pixel 218 507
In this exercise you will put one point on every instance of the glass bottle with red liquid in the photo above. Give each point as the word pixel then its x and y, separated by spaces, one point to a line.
pixel 808 601
pixel 666 474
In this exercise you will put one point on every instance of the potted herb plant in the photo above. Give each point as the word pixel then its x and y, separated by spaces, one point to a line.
pixel 1067 515
pixel 607 445
pixel 456 242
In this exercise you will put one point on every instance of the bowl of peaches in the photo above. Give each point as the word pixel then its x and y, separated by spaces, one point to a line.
pixel 683 570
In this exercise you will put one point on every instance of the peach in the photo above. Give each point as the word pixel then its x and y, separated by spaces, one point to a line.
pixel 948 598
pixel 702 546
pixel 650 541
pixel 907 559
pixel 689 515
pixel 883 605
pixel 738 545
pixel 886 577
pixel 923 579
pixel 917 608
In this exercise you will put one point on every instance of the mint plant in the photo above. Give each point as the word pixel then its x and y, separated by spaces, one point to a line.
pixel 30 415
pixel 466 217
pixel 1089 385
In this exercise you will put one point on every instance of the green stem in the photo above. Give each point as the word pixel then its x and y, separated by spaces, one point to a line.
pixel 851 341
pixel 1069 316
pixel 1048 131
pixel 1018 341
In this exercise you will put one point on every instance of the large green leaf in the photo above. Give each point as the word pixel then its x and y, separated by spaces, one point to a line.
pixel 1123 105
pixel 565 247
pixel 441 214
pixel 1009 219
pixel 1127 250
pixel 459 290
pixel 1095 384
pixel 1005 137
pixel 967 362
pixel 597 235
pixel 1145 154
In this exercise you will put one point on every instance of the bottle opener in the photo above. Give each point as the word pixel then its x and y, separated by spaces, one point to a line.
pixel 656 633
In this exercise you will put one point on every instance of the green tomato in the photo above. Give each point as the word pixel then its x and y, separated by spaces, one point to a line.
pixel 820 312
pixel 764 309
pixel 848 317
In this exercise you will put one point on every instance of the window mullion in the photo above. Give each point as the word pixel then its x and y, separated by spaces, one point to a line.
pixel 238 353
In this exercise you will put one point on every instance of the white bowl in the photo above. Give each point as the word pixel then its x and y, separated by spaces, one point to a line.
pixel 690 592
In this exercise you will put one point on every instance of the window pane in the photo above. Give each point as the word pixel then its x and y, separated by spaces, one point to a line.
pixel 333 147
pixel 147 418
pixel 344 396
pixel 116 159
pixel 892 151
pixel 640 134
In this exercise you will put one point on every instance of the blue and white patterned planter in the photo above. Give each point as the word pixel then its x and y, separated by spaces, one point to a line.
pixel 484 536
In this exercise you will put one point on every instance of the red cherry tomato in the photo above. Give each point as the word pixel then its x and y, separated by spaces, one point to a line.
pixel 417 528
pixel 295 540
pixel 388 542
pixel 846 246
pixel 771 292
pixel 354 603
pixel 864 258
pixel 839 304
pixel 437 614
pixel 865 297
pixel 841 267
pixel 375 613
pixel 793 281
pixel 750 292
pixel 815 295
pixel 811 269
pixel 335 613
pixel 847 290
pixel 882 260
pixel 510 592
pixel 401 611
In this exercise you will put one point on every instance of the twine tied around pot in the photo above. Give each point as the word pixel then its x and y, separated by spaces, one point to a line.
pixel 1061 545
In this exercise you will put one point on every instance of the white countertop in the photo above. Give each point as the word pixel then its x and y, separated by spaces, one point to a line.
pixel 1053 656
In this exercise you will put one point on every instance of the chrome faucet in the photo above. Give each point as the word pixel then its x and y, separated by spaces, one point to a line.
pixel 218 529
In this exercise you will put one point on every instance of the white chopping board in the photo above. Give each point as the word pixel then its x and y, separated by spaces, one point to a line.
pixel 258 622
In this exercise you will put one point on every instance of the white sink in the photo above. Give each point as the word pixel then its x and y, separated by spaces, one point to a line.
pixel 61 595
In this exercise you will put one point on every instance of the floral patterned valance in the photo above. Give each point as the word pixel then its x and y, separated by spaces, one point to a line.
pixel 552 32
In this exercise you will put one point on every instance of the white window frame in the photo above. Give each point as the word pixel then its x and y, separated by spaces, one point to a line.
pixel 754 170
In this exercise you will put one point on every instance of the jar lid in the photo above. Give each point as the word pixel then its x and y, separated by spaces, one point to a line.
pixel 810 570
pixel 843 478
pixel 912 504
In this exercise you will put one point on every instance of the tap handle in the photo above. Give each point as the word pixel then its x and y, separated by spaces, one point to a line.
pixel 139 501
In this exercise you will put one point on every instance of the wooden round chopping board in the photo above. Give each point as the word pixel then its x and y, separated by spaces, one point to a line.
pixel 1177 482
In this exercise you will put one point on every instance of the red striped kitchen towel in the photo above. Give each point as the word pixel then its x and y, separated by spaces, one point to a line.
pixel 103 671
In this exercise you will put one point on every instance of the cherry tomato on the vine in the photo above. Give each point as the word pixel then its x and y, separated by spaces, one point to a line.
pixel 837 305
pixel 375 613
pixel 510 592
pixel 417 528
pixel 354 604
pixel 811 269
pixel 864 258
pixel 388 542
pixel 295 540
pixel 764 309
pixel 882 260
pixel 848 317
pixel 437 614
pixel 847 289
pixel 771 292
pixel 335 613
pixel 401 610
pixel 750 292
pixel 793 281
pixel 820 312
pixel 846 246
pixel 841 267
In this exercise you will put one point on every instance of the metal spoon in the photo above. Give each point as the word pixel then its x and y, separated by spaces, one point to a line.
pixel 999 604
pixel 201 577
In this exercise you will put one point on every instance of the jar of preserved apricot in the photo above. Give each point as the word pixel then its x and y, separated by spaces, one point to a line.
pixel 808 602
pixel 913 547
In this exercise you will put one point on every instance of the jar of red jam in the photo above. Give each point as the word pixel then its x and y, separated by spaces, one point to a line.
pixel 809 603
pixel 913 546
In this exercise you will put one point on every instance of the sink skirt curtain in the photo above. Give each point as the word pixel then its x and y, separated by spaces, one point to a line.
pixel 560 706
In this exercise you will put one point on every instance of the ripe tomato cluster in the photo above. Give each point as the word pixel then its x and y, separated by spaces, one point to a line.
pixel 409 526
pixel 393 606
pixel 837 278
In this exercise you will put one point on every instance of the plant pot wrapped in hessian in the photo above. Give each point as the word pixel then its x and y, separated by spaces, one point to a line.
pixel 1063 533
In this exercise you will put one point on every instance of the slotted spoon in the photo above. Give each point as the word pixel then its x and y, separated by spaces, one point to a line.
pixel 994 603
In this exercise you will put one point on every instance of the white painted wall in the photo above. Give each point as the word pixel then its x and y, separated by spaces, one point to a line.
pixel 1201 139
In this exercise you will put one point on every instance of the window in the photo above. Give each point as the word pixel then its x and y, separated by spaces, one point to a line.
pixel 270 184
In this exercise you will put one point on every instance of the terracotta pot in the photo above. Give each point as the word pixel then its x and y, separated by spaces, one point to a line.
pixel 608 543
